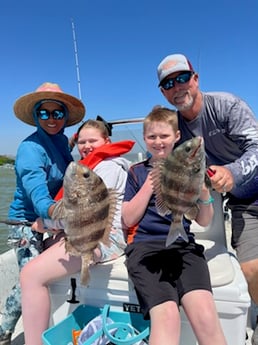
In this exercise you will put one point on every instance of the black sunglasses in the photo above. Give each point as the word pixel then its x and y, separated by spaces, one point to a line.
pixel 182 78
pixel 44 114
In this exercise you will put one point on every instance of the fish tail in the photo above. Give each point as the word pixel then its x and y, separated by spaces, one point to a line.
pixel 85 277
pixel 176 230
pixel 85 274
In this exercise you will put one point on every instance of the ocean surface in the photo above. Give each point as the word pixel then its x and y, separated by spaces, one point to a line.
pixel 7 187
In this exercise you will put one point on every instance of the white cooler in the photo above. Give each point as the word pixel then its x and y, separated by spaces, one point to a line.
pixel 110 284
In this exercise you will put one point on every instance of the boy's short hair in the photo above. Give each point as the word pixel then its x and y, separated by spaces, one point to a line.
pixel 161 114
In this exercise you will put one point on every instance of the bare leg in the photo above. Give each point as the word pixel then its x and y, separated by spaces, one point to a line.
pixel 250 270
pixel 54 263
pixel 165 324
pixel 204 321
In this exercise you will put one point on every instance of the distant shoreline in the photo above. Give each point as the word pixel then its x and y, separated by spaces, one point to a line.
pixel 6 160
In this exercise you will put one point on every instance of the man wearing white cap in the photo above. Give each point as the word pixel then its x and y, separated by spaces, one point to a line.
pixel 230 132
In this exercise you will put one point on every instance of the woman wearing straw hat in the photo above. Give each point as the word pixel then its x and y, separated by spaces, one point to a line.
pixel 41 161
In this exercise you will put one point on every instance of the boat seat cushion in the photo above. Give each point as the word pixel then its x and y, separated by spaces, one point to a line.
pixel 219 263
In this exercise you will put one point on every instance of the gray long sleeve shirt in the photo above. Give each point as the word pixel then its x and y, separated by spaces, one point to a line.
pixel 230 132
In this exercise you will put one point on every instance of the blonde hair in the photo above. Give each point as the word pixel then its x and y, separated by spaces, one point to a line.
pixel 161 114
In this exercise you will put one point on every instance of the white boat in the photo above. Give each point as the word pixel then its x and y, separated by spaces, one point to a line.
pixel 109 284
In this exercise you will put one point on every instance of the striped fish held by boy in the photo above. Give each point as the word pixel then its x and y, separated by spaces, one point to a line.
pixel 87 210
pixel 177 183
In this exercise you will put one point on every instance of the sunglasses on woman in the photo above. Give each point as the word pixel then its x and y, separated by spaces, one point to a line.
pixel 45 114
pixel 182 78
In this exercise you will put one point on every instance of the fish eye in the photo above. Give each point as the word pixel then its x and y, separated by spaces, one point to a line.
pixel 86 174
pixel 188 149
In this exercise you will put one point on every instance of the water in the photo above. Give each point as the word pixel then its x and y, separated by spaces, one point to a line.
pixel 7 176
pixel 7 187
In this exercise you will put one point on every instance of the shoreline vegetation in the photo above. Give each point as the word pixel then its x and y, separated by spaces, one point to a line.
pixel 6 160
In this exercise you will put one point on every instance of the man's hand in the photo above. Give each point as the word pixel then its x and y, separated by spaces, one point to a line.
pixel 222 180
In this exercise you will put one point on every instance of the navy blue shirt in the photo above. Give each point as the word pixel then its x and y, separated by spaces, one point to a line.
pixel 152 225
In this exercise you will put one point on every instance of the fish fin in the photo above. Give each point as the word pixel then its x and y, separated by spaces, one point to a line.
pixel 85 273
pixel 155 177
pixel 192 212
pixel 59 210
pixel 176 230
pixel 113 195
pixel 70 249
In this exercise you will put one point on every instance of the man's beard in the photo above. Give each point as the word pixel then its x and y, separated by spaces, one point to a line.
pixel 186 105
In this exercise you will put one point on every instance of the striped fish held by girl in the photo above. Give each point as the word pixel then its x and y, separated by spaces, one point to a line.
pixel 87 210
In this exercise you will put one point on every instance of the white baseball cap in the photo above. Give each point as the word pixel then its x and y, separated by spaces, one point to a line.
pixel 173 63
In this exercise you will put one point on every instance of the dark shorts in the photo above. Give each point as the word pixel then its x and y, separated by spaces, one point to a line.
pixel 245 231
pixel 163 274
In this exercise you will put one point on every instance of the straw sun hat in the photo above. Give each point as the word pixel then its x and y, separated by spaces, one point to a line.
pixel 23 107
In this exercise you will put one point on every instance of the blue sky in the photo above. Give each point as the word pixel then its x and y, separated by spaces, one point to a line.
pixel 120 43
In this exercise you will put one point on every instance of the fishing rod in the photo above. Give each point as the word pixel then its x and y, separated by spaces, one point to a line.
pixel 76 60
pixel 126 121
pixel 16 222
pixel 113 122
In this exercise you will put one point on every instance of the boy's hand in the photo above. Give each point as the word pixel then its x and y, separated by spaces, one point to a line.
pixel 205 193
pixel 149 182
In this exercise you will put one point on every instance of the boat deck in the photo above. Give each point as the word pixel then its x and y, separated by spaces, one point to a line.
pixel 18 336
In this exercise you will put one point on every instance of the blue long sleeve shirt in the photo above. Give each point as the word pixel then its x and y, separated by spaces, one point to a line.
pixel 39 175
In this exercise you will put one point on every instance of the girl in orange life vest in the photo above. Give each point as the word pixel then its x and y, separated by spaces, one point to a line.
pixel 96 149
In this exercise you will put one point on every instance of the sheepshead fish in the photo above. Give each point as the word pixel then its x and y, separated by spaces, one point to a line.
pixel 87 210
pixel 177 182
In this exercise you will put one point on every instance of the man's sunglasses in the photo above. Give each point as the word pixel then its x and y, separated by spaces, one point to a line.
pixel 180 79
pixel 44 114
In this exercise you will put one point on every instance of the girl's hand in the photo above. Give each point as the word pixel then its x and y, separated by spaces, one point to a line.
pixel 39 226
pixel 48 225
